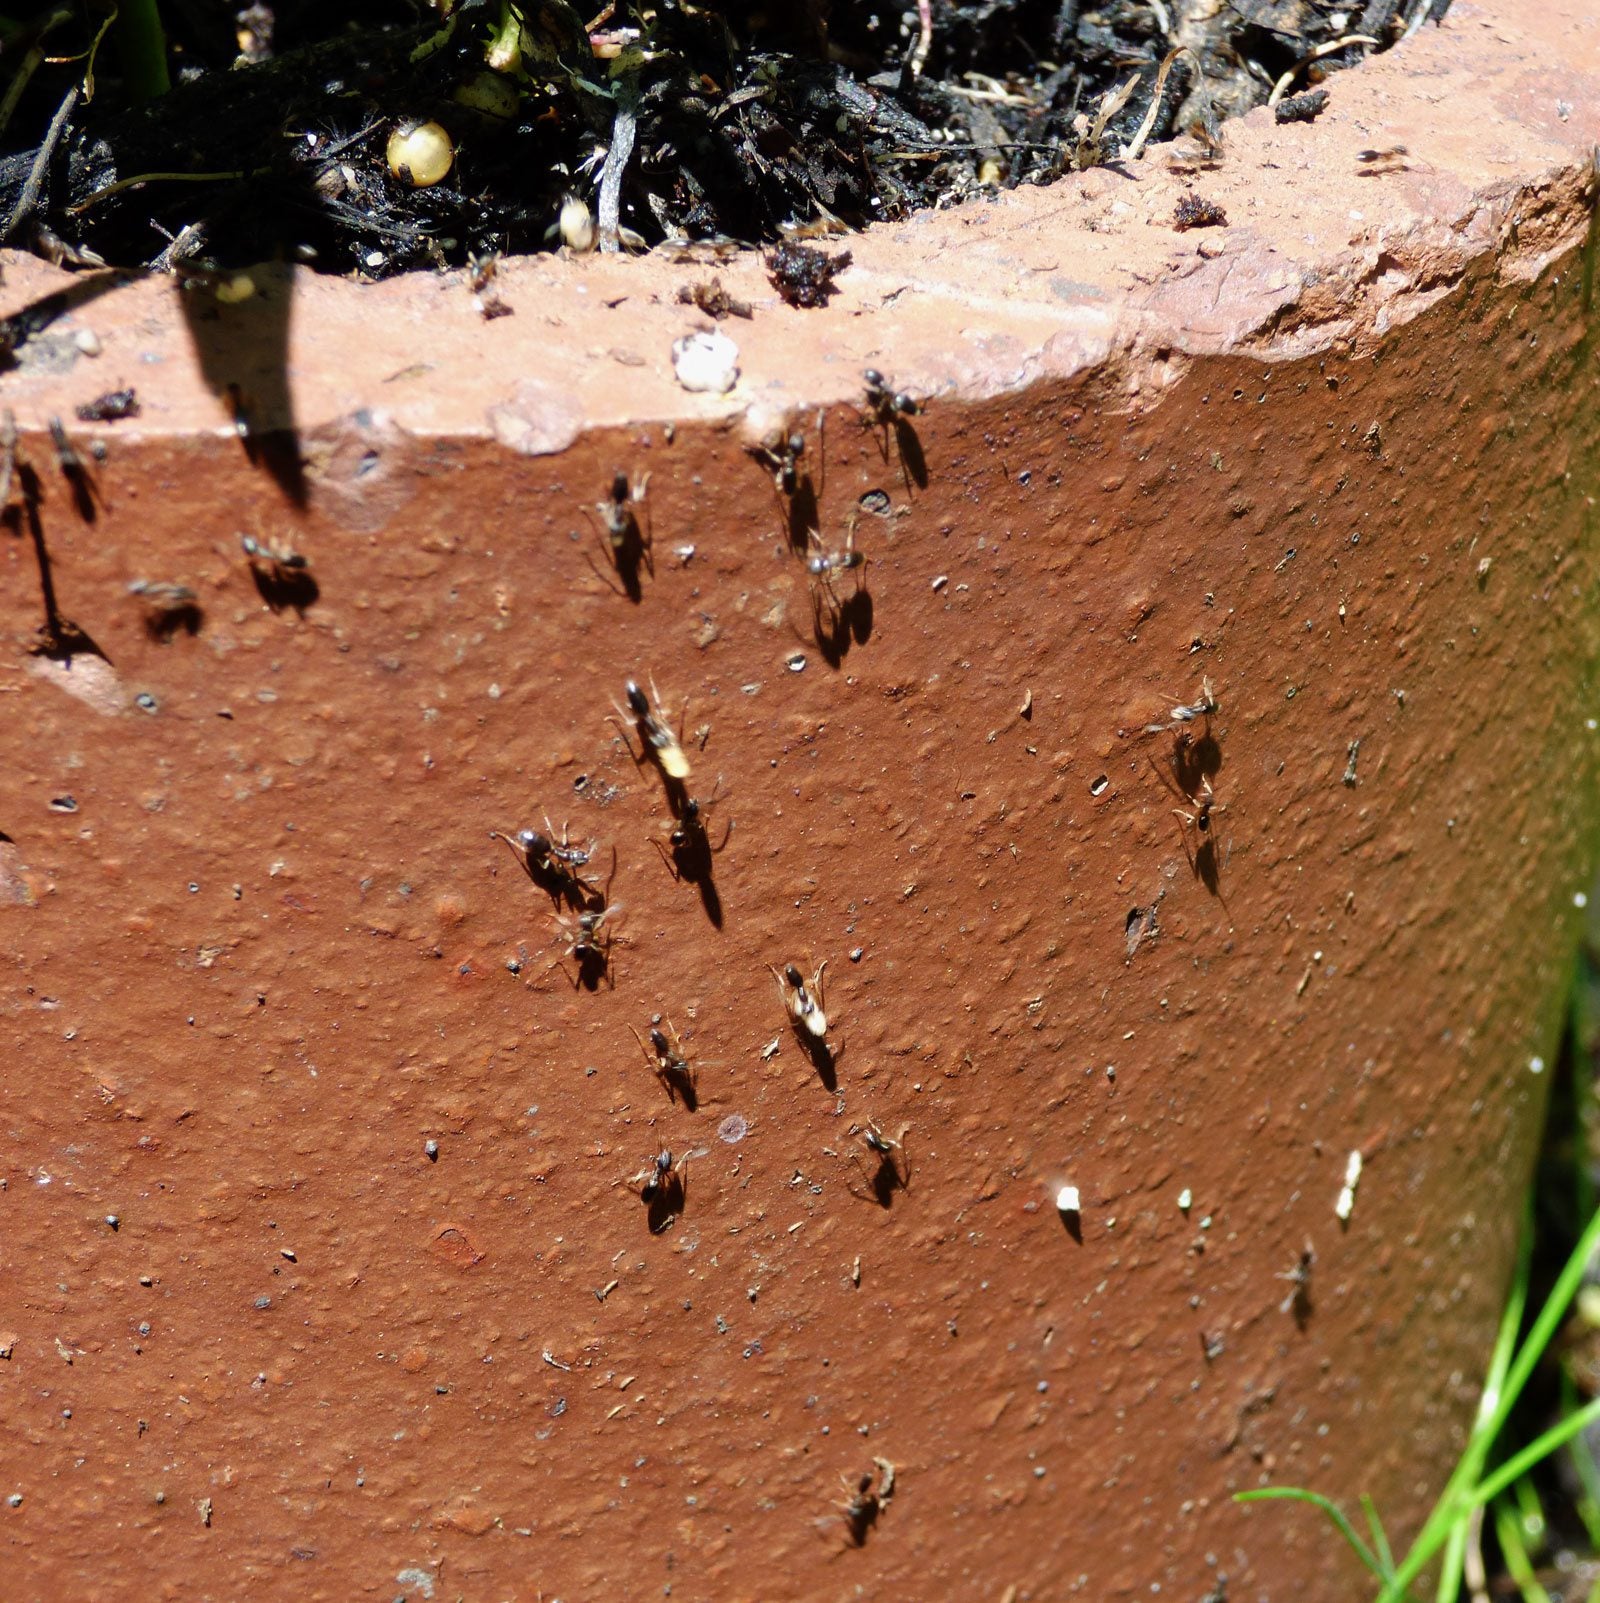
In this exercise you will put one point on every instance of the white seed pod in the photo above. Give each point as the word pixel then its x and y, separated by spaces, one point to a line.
pixel 421 154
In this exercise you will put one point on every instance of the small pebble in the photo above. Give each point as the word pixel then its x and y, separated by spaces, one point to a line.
pixel 87 342
pixel 706 363
pixel 941 581
pixel 1067 1200
pixel 431 1148
pixel 856 954
pixel 113 1221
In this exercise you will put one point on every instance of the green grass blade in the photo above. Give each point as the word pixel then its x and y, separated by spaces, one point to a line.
pixel 1380 1538
pixel 1508 1528
pixel 1299 1494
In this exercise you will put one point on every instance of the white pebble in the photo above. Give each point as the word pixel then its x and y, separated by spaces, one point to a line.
pixel 87 342
pixel 1067 1199
pixel 706 363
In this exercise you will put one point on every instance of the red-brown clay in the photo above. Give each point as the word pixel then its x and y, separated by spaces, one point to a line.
pixel 382 1312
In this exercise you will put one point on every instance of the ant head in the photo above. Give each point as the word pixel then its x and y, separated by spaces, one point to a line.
pixel 874 378
pixel 797 445
pixel 619 487
pixel 793 976
pixel 530 840
pixel 659 1042
pixel 637 700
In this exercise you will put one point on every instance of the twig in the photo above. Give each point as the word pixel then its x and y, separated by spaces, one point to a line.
pixel 1328 48
pixel 29 198
pixel 623 127
pixel 1136 149
pixel 29 65
pixel 160 178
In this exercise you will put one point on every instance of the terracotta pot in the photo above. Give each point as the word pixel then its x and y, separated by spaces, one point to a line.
pixel 328 1270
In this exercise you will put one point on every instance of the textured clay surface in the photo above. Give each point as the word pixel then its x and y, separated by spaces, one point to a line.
pixel 327 1274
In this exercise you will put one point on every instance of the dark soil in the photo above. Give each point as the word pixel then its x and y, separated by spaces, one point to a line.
pixel 664 120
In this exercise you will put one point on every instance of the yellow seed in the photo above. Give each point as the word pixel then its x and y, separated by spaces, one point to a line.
pixel 420 153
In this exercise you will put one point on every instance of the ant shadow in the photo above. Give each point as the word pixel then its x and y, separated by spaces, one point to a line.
pixel 689 860
pixel 286 589
pixel 59 639
pixel 1195 762
pixel 802 516
pixel 885 1182
pixel 163 624
pixel 907 450
pixel 664 1202
pixel 822 1056
pixel 837 625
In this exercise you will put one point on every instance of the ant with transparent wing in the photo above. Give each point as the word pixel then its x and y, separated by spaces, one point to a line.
pixel 662 745
pixel 673 1069
pixel 629 540
pixel 892 1171
pixel 589 942
pixel 554 866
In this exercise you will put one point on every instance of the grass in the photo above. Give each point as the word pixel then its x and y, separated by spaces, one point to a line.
pixel 1446 1533
pixel 1491 1485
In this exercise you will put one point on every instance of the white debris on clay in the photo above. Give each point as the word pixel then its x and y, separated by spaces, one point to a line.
pixel 706 363
pixel 1347 1193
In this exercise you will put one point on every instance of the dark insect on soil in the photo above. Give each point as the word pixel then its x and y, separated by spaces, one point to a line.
pixel 556 866
pixel 1194 211
pixel 628 539
pixel 109 407
pixel 885 404
pixel 589 942
pixel 867 1501
pixel 663 1189
pixel 283 577
pixel 891 1169
pixel 713 300
pixel 665 1055
pixel 1301 108
pixel 804 275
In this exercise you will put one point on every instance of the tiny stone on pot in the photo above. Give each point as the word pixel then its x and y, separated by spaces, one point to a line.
pixel 706 363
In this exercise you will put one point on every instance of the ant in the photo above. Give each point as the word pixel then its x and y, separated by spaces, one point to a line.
pixel 892 1173
pixel 822 564
pixel 554 866
pixel 804 1010
pixel 630 540
pixel 111 406
pixel 891 410
pixel 689 851
pixel 866 1501
pixel 168 608
pixel 665 1055
pixel 589 945
pixel 780 455
pixel 1298 1300
pixel 663 1188
pixel 481 272
pixel 278 562
pixel 885 407
pixel 661 745
pixel 1180 716
pixel 282 577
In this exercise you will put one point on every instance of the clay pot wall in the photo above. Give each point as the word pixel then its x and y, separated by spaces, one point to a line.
pixel 264 949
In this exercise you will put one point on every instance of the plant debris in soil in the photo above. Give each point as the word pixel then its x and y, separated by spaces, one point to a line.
pixel 340 136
